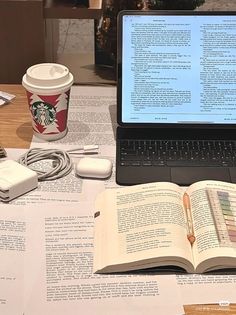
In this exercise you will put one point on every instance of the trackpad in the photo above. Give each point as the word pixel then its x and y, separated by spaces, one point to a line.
pixel 189 175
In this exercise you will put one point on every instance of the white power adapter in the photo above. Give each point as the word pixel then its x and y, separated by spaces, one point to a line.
pixel 15 180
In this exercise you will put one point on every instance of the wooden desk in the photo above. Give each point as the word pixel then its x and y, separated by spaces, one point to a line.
pixel 15 121
pixel 16 132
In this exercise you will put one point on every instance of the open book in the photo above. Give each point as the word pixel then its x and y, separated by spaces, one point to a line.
pixel 162 224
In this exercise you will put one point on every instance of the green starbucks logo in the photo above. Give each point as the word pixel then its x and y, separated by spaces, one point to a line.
pixel 43 113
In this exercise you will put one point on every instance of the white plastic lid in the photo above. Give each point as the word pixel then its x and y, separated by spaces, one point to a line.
pixel 47 76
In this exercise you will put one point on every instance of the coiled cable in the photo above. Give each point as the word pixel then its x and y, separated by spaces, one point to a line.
pixel 61 166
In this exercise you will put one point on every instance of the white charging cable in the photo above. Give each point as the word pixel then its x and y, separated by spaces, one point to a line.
pixel 62 162
pixel 62 167
pixel 86 149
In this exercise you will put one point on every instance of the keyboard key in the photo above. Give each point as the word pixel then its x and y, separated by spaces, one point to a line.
pixel 192 163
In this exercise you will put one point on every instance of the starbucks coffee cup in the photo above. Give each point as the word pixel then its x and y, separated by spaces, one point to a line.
pixel 48 91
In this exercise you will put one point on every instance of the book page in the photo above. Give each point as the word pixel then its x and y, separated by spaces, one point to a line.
pixel 143 222
pixel 207 289
pixel 60 279
pixel 12 250
pixel 208 245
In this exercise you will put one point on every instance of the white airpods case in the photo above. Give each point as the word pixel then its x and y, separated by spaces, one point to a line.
pixel 94 167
